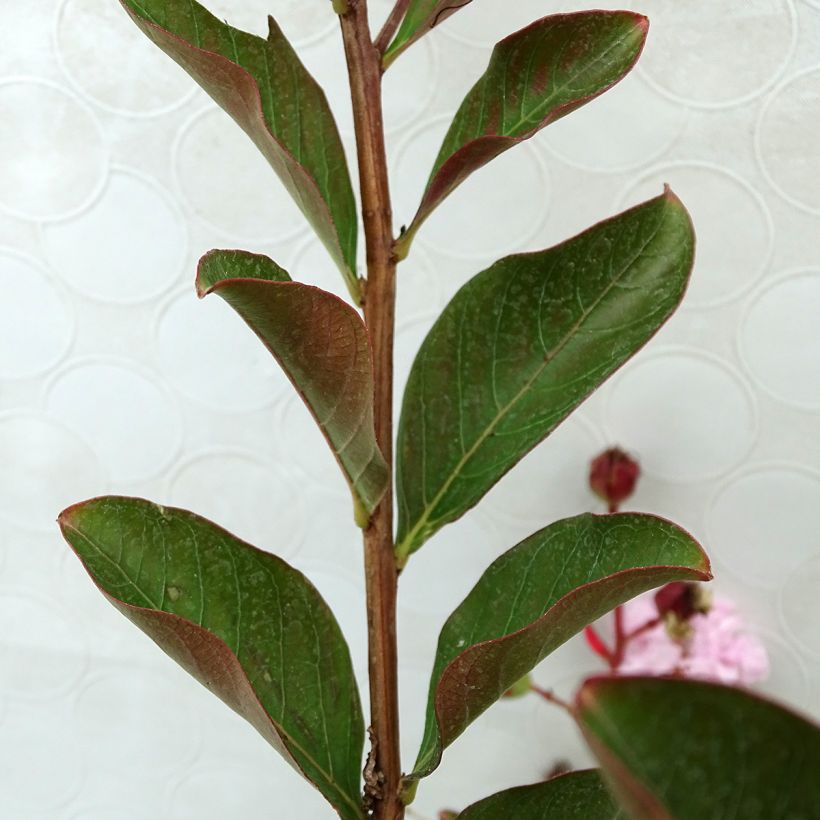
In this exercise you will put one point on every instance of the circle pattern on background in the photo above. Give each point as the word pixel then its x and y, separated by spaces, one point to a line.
pixel 115 181
pixel 798 606
pixel 54 155
pixel 139 80
pixel 243 197
pixel 302 22
pixel 688 416
pixel 606 136
pixel 788 159
pixel 36 326
pixel 208 353
pixel 764 33
pixel 133 239
pixel 490 221
pixel 159 730
pixel 550 482
pixel 32 626
pixel 482 26
pixel 733 225
pixel 27 793
pixel 52 469
pixel 769 513
pixel 125 414
pixel 238 791
pixel 780 340
pixel 243 494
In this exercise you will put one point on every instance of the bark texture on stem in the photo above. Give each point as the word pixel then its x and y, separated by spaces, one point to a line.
pixel 383 772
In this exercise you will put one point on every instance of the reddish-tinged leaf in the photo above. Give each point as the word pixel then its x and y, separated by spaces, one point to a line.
pixel 421 17
pixel 263 85
pixel 574 796
pixel 322 345
pixel 673 748
pixel 520 346
pixel 535 77
pixel 533 599
pixel 245 624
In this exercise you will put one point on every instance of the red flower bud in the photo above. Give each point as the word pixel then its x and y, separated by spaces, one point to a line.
pixel 613 476
pixel 682 600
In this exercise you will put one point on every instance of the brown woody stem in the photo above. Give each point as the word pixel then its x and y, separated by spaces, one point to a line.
pixel 381 574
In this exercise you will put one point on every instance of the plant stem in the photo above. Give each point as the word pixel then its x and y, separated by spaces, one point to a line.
pixel 381 574
pixel 549 695
pixel 391 25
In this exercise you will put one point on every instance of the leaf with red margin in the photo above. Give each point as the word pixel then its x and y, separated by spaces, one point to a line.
pixel 573 796
pixel 421 17
pixel 535 77
pixel 520 346
pixel 249 627
pixel 322 345
pixel 673 748
pixel 537 596
pixel 267 90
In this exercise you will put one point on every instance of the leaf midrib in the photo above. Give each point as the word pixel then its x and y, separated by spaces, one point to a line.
pixel 406 545
pixel 280 730
pixel 547 106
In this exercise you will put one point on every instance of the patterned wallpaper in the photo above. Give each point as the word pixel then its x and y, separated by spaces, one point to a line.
pixel 117 174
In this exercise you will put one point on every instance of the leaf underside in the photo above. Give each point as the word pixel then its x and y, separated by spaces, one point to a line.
pixel 533 599
pixel 421 17
pixel 322 345
pixel 520 346
pixel 244 623
pixel 264 86
pixel 535 77
pixel 574 796
pixel 674 748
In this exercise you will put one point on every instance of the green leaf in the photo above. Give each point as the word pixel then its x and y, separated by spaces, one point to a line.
pixel 522 345
pixel 679 749
pixel 244 623
pixel 421 16
pixel 264 86
pixel 535 77
pixel 574 796
pixel 322 345
pixel 533 599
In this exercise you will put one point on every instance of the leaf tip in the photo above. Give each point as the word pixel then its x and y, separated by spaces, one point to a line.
pixel 67 519
pixel 202 284
pixel 642 24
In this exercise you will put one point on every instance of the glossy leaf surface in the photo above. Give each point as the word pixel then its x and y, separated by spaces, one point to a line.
pixel 537 596
pixel 680 748
pixel 535 77
pixel 520 346
pixel 244 623
pixel 422 15
pixel 263 85
pixel 573 796
pixel 322 345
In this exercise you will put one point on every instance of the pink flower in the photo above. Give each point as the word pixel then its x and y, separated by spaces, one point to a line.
pixel 718 645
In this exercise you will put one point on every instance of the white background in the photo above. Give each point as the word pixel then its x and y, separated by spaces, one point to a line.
pixel 116 174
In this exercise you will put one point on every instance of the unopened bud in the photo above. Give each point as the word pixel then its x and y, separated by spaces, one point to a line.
pixel 613 476
pixel 677 603
pixel 447 814
pixel 683 600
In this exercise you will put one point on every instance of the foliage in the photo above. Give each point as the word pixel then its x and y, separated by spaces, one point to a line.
pixel 516 350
